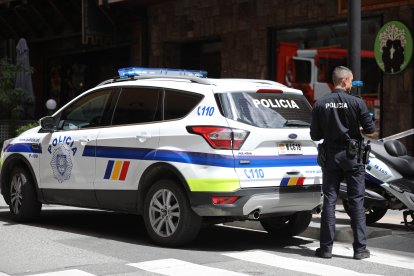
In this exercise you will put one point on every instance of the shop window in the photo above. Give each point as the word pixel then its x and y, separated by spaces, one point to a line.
pixel 326 47
pixel 303 71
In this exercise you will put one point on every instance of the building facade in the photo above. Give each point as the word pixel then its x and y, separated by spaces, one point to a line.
pixel 90 39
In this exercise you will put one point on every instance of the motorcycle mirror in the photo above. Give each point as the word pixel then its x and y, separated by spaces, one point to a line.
pixel 372 116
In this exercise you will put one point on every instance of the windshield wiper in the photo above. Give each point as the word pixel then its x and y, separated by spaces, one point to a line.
pixel 296 123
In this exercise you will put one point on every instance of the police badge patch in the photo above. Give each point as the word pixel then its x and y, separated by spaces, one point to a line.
pixel 62 162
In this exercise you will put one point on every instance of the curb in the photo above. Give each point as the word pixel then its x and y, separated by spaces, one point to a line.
pixel 343 232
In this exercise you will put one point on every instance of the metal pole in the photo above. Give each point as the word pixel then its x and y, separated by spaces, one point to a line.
pixel 354 37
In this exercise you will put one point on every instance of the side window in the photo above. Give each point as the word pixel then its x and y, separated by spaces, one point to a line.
pixel 137 105
pixel 303 71
pixel 87 111
pixel 178 104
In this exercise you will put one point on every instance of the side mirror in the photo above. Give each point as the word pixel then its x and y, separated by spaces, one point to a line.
pixel 48 123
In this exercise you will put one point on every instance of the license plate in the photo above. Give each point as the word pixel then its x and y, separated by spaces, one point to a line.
pixel 289 148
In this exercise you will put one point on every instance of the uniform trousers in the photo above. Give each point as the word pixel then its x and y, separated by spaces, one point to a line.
pixel 338 167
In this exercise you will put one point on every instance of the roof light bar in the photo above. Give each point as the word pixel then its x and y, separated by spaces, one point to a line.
pixel 358 83
pixel 265 90
pixel 142 71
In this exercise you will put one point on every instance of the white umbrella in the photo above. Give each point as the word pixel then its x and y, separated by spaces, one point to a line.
pixel 24 77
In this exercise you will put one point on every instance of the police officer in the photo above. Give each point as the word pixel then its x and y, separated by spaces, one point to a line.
pixel 338 118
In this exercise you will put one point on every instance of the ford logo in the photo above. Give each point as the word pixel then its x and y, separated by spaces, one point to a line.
pixel 293 136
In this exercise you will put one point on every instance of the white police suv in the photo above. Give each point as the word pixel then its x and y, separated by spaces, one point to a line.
pixel 175 147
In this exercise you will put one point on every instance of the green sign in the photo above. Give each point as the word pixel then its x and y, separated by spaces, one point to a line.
pixel 393 47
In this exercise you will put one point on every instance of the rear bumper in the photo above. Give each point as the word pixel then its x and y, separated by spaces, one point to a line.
pixel 266 201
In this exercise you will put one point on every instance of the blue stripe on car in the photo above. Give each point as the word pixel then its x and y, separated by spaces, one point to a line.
pixel 22 147
pixel 109 169
pixel 199 158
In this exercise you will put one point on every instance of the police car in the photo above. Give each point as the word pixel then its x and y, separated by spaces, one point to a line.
pixel 176 147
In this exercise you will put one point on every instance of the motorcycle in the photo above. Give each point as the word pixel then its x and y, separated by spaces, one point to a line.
pixel 389 180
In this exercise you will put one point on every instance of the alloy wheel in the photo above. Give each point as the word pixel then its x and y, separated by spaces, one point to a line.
pixel 16 194
pixel 164 213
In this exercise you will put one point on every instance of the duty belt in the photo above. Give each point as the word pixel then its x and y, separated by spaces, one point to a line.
pixel 338 145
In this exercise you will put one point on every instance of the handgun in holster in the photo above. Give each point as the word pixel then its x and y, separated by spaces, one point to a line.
pixel 366 152
pixel 353 148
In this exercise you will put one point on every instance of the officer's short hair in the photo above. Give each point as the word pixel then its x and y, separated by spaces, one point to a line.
pixel 340 73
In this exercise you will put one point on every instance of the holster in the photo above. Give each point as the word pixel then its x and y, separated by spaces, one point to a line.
pixel 322 155
pixel 353 148
pixel 358 149
pixel 365 152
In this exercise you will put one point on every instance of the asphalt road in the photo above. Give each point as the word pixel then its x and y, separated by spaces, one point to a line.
pixel 74 241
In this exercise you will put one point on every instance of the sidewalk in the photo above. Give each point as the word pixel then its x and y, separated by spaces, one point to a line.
pixel 390 224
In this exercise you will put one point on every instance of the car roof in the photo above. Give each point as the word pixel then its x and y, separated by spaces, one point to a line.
pixel 197 84
pixel 238 85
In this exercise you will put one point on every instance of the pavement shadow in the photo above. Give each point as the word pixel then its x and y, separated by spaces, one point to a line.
pixel 221 238
pixel 382 225
pixel 393 226
pixel 131 229
pixel 96 223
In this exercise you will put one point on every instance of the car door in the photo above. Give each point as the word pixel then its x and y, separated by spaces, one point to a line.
pixel 67 167
pixel 126 148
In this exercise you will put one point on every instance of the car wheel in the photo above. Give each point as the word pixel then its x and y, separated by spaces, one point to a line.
pixel 372 214
pixel 24 205
pixel 168 217
pixel 287 226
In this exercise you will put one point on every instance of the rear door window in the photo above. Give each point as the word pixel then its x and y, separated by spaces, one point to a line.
pixel 267 110
pixel 178 104
pixel 138 105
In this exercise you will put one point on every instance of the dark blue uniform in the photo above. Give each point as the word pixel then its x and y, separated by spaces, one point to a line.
pixel 336 118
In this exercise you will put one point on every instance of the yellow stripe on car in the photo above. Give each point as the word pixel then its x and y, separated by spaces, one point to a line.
pixel 117 170
pixel 213 184
pixel 292 181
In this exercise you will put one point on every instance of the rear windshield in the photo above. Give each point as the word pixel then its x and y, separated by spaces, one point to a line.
pixel 267 110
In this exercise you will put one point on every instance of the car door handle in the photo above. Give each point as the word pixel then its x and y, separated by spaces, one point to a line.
pixel 143 137
pixel 292 173
pixel 84 140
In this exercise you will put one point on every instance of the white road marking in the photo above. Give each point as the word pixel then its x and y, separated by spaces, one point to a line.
pixel 181 268
pixel 379 257
pixel 291 263
pixel 241 228
pixel 70 272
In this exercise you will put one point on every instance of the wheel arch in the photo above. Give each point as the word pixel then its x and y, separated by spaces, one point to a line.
pixel 6 169
pixel 157 172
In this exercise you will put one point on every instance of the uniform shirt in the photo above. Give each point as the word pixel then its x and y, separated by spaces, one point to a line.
pixel 338 116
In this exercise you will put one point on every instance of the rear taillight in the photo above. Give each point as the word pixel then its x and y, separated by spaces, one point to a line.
pixel 223 200
pixel 221 137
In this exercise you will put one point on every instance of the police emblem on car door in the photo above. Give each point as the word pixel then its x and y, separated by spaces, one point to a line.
pixel 67 168
pixel 62 163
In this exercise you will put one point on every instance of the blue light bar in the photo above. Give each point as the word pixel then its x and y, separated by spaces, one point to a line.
pixel 358 83
pixel 142 71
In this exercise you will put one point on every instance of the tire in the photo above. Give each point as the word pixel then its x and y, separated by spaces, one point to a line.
pixel 287 226
pixel 168 217
pixel 372 214
pixel 24 206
